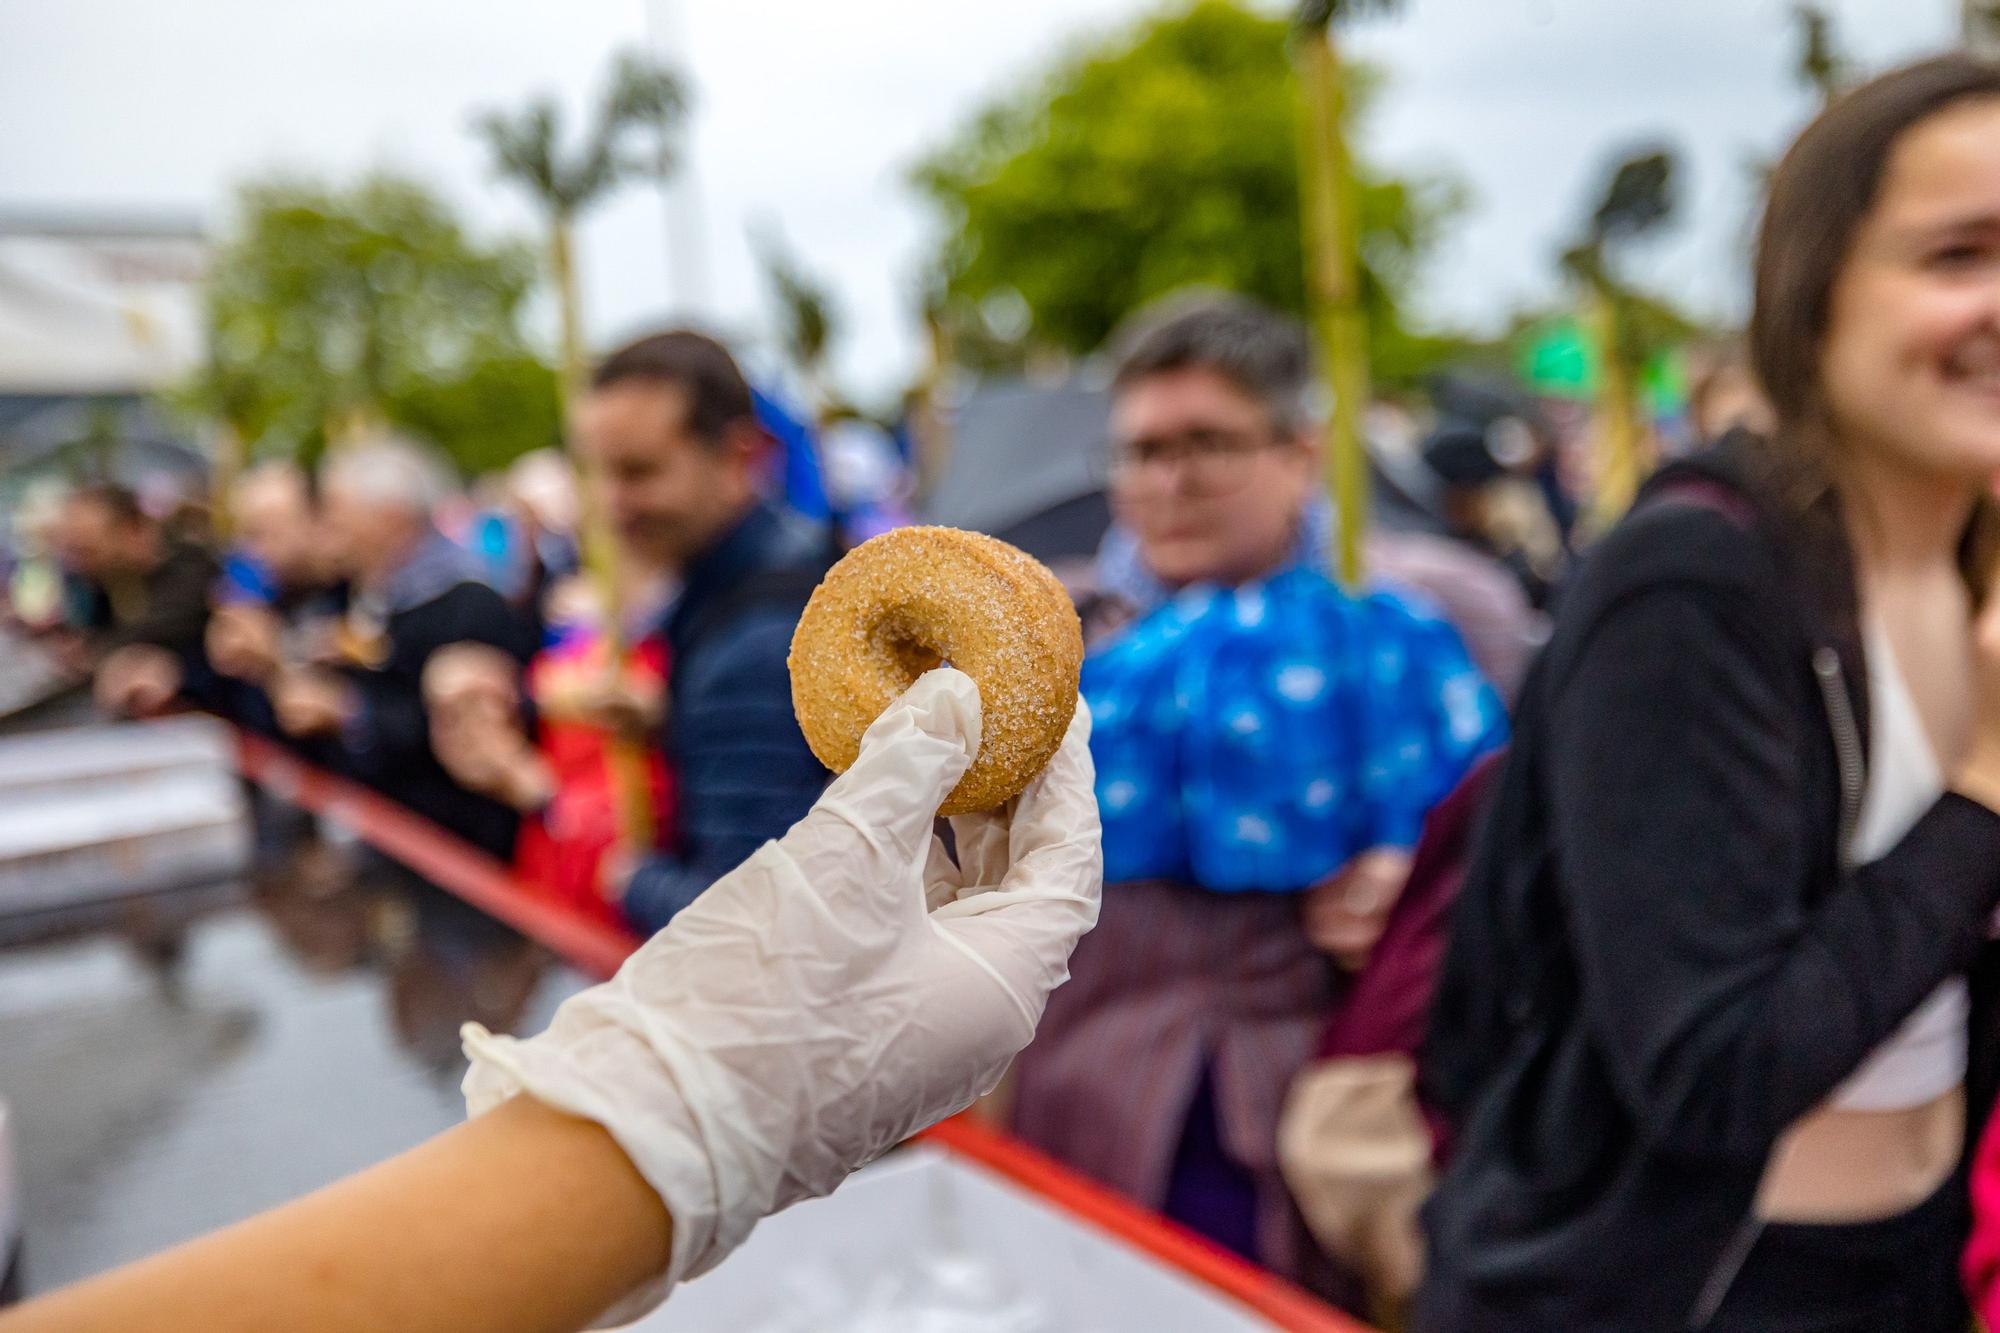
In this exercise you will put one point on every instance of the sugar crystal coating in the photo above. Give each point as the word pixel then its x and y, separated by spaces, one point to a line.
pixel 901 603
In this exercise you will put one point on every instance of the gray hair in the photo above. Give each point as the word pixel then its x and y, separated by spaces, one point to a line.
pixel 267 477
pixel 388 470
pixel 1261 352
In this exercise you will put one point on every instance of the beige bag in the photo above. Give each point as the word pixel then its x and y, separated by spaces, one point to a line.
pixel 1356 1154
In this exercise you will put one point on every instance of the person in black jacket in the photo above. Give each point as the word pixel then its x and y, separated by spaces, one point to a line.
pixel 145 591
pixel 411 593
pixel 279 595
pixel 1713 1019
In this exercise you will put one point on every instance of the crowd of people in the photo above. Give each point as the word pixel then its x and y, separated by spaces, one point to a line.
pixel 1518 941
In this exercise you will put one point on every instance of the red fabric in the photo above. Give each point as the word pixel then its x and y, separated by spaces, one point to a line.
pixel 1386 1006
pixel 1980 1266
pixel 1385 1009
pixel 561 854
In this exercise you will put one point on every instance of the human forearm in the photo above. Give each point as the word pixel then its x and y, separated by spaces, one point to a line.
pixel 782 1035
pixel 519 1221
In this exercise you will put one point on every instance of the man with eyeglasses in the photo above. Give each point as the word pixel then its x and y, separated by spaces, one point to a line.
pixel 1162 1067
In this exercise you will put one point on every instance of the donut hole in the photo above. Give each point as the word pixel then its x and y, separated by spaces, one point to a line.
pixel 909 651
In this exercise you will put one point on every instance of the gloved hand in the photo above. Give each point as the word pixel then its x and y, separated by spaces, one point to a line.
pixel 844 987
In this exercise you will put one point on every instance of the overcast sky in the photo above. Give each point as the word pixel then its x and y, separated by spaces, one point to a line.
pixel 809 114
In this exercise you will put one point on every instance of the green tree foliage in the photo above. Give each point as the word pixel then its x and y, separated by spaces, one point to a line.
pixel 1164 156
pixel 328 305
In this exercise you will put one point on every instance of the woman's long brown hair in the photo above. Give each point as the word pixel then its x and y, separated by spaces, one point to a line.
pixel 1820 193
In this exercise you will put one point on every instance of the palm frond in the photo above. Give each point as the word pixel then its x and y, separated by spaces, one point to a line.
pixel 633 134
pixel 1584 262
pixel 1318 15
pixel 595 172
pixel 524 147
pixel 1638 199
pixel 805 309
pixel 1822 66
pixel 645 94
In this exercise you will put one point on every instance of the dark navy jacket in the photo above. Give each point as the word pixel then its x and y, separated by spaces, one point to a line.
pixel 744 771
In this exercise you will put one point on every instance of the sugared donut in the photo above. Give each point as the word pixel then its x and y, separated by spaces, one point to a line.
pixel 913 598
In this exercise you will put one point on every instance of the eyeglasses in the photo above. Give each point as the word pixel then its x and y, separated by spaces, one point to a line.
pixel 1208 460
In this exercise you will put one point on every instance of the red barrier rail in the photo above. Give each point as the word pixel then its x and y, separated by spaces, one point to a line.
pixel 1270 1296
pixel 463 870
pixel 445 860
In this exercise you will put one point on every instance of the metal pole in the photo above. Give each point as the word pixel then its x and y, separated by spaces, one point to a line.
pixel 680 192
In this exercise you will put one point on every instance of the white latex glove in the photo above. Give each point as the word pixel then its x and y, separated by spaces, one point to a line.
pixel 843 988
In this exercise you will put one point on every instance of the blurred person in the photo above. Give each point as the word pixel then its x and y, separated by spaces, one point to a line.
pixel 1474 592
pixel 411 593
pixel 1725 397
pixel 1501 628
pixel 38 588
pixel 146 596
pixel 868 483
pixel 782 1033
pixel 1358 1138
pixel 1266 748
pixel 1705 1035
pixel 542 490
pixel 279 598
pixel 670 438
pixel 539 741
pixel 1485 448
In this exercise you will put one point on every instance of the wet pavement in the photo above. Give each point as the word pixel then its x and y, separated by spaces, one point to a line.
pixel 304 1032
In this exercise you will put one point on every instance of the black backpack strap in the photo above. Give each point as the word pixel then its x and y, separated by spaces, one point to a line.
pixel 1494 979
pixel 1709 493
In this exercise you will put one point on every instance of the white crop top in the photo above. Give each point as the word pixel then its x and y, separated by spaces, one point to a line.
pixel 1925 1057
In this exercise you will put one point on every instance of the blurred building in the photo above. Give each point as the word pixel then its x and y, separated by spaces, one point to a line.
pixel 97 312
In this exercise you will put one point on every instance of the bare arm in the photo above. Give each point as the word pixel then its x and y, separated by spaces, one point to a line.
pixel 753 1055
pixel 523 1220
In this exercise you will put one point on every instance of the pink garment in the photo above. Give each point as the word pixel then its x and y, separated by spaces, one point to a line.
pixel 1980 1266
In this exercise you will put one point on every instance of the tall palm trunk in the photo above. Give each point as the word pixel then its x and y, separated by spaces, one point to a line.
pixel 630 784
pixel 224 468
pixel 1618 463
pixel 1333 269
pixel 575 367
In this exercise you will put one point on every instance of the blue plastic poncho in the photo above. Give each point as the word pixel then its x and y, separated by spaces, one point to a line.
pixel 1258 737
